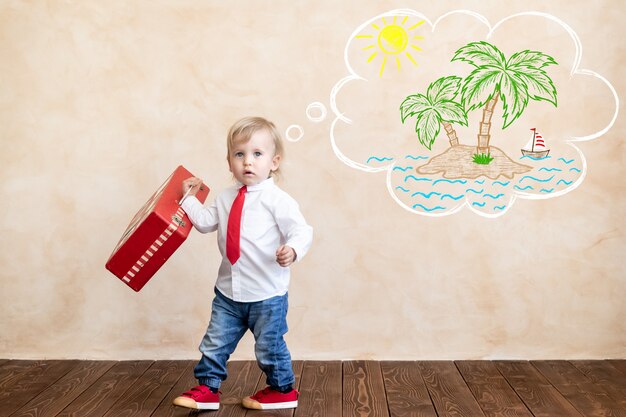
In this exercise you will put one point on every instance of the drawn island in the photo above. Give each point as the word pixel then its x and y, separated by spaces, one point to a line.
pixel 448 100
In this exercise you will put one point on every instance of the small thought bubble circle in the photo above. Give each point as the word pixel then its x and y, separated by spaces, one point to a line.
pixel 316 112
pixel 294 137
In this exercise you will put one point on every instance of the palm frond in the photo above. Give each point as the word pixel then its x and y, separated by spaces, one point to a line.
pixel 413 105
pixel 480 54
pixel 451 112
pixel 444 88
pixel 514 94
pixel 480 86
pixel 540 85
pixel 530 59
pixel 427 127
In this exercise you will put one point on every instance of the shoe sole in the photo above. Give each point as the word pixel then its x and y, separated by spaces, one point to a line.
pixel 189 403
pixel 255 405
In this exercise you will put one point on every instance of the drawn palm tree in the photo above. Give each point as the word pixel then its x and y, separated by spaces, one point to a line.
pixel 434 109
pixel 515 80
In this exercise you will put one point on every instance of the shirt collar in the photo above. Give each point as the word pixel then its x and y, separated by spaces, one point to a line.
pixel 260 186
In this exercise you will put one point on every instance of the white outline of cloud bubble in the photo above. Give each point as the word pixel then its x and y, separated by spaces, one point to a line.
pixel 289 138
pixel 319 106
pixel 389 168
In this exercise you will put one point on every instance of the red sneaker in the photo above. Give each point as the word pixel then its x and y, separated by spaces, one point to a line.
pixel 269 399
pixel 199 398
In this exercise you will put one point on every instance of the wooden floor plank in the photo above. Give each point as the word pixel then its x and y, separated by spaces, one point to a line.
pixel 243 379
pixel 407 395
pixel 588 398
pixel 11 369
pixel 106 391
pixel 184 383
pixel 150 389
pixel 449 393
pixel 364 390
pixel 541 398
pixel 606 376
pixel 297 370
pixel 494 395
pixel 27 385
pixel 320 389
pixel 56 397
pixel 619 364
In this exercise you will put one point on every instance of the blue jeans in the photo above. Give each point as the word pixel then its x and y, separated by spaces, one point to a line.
pixel 230 320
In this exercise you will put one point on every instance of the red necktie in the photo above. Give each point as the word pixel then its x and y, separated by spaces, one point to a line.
pixel 234 226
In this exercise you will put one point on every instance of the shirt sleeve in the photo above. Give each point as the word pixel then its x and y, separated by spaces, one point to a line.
pixel 204 219
pixel 291 223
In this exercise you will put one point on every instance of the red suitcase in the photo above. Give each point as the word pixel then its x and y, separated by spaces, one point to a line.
pixel 154 234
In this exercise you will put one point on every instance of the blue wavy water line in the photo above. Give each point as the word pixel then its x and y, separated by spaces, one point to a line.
pixel 574 169
pixel 428 209
pixel 564 182
pixel 479 204
pixel 536 179
pixel 475 191
pixel 566 161
pixel 403 189
pixel 551 169
pixel 415 178
pixel 415 158
pixel 523 189
pixel 452 197
pixel 405 169
pixel 545 190
pixel 481 182
pixel 427 195
pixel 495 197
pixel 384 158
pixel 535 159
pixel 504 184
pixel 499 208
pixel 450 181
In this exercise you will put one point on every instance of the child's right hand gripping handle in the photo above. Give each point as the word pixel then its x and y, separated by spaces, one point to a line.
pixel 190 186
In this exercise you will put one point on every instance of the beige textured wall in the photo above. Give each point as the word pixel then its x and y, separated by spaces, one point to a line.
pixel 99 101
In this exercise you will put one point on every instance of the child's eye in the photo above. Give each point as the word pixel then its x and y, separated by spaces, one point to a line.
pixel 257 154
pixel 238 154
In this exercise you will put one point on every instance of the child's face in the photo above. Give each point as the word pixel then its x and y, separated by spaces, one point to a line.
pixel 251 162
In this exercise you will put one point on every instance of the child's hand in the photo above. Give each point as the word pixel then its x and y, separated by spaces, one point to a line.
pixel 191 185
pixel 285 255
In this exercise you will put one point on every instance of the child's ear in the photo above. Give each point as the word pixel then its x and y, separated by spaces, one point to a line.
pixel 275 162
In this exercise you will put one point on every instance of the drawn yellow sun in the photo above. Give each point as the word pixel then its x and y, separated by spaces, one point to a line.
pixel 392 41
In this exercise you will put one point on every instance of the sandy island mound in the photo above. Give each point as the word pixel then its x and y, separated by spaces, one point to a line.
pixel 457 162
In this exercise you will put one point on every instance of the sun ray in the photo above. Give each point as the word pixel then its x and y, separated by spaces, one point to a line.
pixel 408 55
pixel 418 37
pixel 372 56
pixel 368 47
pixel 364 36
pixel 382 67
pixel 421 22
pixel 398 62
pixel 416 47
pixel 375 27
pixel 405 19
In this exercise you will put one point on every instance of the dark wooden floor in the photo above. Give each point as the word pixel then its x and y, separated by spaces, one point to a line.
pixel 328 389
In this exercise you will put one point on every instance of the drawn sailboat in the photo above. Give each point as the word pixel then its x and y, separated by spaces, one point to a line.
pixel 536 146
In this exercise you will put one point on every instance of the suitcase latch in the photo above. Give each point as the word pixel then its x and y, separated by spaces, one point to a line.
pixel 178 220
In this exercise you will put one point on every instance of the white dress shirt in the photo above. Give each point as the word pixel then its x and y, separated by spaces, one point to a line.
pixel 270 218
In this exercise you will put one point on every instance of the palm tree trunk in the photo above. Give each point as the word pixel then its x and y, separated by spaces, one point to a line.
pixel 454 140
pixel 485 125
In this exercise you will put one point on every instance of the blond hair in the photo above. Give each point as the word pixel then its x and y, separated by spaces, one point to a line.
pixel 243 129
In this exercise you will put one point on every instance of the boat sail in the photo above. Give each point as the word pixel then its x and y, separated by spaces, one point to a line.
pixel 536 146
